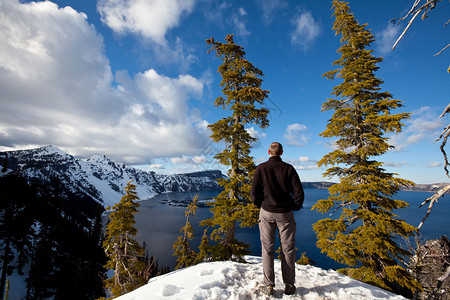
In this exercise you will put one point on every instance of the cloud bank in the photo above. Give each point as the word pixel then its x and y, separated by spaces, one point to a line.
pixel 424 125
pixel 57 88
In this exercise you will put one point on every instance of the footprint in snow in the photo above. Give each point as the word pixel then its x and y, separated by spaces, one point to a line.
pixel 169 290
pixel 206 272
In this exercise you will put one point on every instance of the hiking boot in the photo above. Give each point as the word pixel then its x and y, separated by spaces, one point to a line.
pixel 289 289
pixel 266 289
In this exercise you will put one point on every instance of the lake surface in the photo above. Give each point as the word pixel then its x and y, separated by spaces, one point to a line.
pixel 159 224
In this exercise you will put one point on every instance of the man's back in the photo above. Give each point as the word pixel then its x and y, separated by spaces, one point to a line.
pixel 277 187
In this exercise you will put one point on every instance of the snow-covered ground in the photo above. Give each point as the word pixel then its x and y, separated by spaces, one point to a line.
pixel 236 281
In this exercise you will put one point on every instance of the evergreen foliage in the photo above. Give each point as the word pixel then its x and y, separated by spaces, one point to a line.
pixel 182 248
pixel 363 237
pixel 125 256
pixel 204 252
pixel 244 98
pixel 55 233
pixel 67 258
pixel 305 260
pixel 16 228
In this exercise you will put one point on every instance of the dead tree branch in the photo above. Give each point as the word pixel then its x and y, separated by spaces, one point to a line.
pixel 433 199
pixel 406 29
pixel 442 50
pixel 415 10
pixel 444 136
pixel 431 202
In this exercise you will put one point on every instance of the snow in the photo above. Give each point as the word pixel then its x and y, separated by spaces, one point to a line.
pixel 239 281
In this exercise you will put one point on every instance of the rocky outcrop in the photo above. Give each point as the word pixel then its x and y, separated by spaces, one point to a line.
pixel 433 269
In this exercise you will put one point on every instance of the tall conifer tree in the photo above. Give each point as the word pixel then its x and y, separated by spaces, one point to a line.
pixel 125 255
pixel 203 249
pixel 244 98
pixel 182 248
pixel 363 237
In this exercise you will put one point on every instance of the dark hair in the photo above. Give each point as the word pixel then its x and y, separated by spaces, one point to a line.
pixel 276 149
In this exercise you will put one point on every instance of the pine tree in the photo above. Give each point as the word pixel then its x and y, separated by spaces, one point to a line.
pixel 363 237
pixel 243 95
pixel 203 249
pixel 125 255
pixel 182 248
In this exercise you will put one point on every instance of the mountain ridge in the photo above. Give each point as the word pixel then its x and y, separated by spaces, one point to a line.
pixel 104 180
pixel 101 178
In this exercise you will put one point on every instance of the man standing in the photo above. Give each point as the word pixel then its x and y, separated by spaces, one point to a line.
pixel 278 191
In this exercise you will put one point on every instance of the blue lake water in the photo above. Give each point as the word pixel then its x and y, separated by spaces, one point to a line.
pixel 159 225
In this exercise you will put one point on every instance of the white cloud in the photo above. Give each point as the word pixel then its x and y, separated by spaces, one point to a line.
pixel 270 6
pixel 306 167
pixel 226 16
pixel 156 166
pixel 304 163
pixel 189 160
pixel 306 30
pixel 294 135
pixel 386 38
pixel 423 125
pixel 57 88
pixel 181 160
pixel 151 20
pixel 255 133
pixel 304 159
pixel 395 164
pixel 213 12
pixel 199 159
pixel 239 22
pixel 148 18
pixel 435 164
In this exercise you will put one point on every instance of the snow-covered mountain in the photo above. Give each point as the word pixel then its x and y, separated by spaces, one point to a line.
pixel 101 178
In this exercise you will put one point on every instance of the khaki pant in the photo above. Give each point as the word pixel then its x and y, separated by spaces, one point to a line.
pixel 268 224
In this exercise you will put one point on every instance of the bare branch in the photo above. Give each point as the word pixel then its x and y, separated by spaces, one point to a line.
pixel 446 110
pixel 411 11
pixel 442 50
pixel 431 202
pixel 414 12
pixel 406 29
pixel 445 133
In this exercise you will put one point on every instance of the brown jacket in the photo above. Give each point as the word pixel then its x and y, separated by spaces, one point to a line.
pixel 276 187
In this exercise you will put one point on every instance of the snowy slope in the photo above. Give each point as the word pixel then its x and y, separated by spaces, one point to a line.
pixel 237 281
pixel 101 178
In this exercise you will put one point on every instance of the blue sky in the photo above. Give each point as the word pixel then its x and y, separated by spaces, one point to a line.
pixel 133 79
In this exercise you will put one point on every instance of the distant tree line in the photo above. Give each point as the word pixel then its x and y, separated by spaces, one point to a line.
pixel 56 241
pixel 51 237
